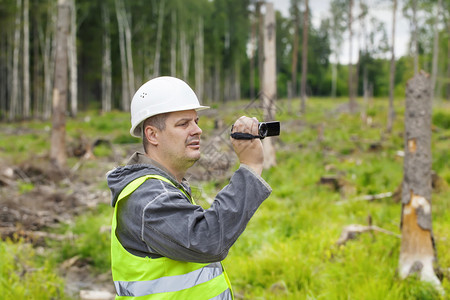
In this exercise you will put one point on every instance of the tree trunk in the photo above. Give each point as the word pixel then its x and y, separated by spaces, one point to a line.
pixel 73 60
pixel 158 39
pixel 304 57
pixel 49 62
pixel 434 68
pixel 173 46
pixel 37 67
pixel 199 68
pixel 253 41
pixel 58 144
pixel 106 63
pixel 448 67
pixel 391 113
pixel 417 252
pixel 260 47
pixel 269 88
pixel 130 67
pixel 185 52
pixel 295 50
pixel 15 71
pixel 352 103
pixel 217 71
pixel 414 37
pixel 123 58
pixel 26 61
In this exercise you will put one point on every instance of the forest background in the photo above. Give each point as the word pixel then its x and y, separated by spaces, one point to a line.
pixel 291 248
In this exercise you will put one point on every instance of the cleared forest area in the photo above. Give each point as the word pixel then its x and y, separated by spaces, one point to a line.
pixel 330 230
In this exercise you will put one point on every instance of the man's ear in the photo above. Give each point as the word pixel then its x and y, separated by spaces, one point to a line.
pixel 151 134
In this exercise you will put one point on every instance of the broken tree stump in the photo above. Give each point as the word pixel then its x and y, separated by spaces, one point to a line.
pixel 417 252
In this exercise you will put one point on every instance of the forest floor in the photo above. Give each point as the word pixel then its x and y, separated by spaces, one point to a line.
pixel 68 211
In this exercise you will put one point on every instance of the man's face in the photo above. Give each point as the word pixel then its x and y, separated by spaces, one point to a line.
pixel 179 142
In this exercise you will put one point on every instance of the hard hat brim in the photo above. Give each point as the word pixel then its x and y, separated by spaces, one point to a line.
pixel 136 130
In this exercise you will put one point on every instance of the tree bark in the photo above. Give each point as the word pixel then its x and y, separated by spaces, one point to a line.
pixel 352 103
pixel 414 37
pixel 304 57
pixel 49 62
pixel 199 68
pixel 185 52
pixel 434 68
pixel 391 113
pixel 295 50
pixel 123 58
pixel 158 38
pixel 58 145
pixel 15 71
pixel 173 46
pixel 72 48
pixel 269 88
pixel 106 63
pixel 26 61
pixel 417 252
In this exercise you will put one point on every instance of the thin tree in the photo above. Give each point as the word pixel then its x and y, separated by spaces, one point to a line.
pixel 434 68
pixel 15 71
pixel 106 62
pixel 173 45
pixel 58 155
pixel 304 57
pixel 26 61
pixel 123 56
pixel 391 113
pixel 72 48
pixel 352 103
pixel 296 24
pixel 158 39
pixel 199 60
pixel 269 85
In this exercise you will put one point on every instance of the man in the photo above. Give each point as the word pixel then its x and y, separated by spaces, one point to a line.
pixel 163 245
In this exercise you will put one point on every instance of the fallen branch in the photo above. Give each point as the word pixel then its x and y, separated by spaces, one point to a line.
pixel 34 237
pixel 350 232
pixel 368 198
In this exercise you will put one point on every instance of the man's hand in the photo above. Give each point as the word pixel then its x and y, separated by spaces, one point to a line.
pixel 249 152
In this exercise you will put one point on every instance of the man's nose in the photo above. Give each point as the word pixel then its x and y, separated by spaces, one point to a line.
pixel 197 130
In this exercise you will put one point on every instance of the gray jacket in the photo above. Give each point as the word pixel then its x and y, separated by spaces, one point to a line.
pixel 158 220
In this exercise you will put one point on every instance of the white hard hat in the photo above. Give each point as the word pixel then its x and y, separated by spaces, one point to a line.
pixel 161 95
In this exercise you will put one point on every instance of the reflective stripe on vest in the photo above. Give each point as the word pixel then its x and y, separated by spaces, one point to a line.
pixel 163 278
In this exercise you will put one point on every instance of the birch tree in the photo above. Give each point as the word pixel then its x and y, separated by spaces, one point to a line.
pixel 106 62
pixel 15 68
pixel 352 103
pixel 158 39
pixel 410 12
pixel 296 24
pixel 391 113
pixel 434 69
pixel 126 95
pixel 336 28
pixel 173 45
pixel 199 59
pixel 26 61
pixel 58 155
pixel 72 48
pixel 269 87
pixel 304 57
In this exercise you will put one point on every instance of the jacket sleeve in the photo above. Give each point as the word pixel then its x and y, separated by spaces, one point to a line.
pixel 174 228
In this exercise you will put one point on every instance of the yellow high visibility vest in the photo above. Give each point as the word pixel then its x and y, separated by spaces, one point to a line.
pixel 163 278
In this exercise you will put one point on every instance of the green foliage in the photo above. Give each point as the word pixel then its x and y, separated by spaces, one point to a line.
pixel 27 275
pixel 92 239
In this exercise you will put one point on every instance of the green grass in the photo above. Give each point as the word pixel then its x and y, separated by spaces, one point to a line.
pixel 288 250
